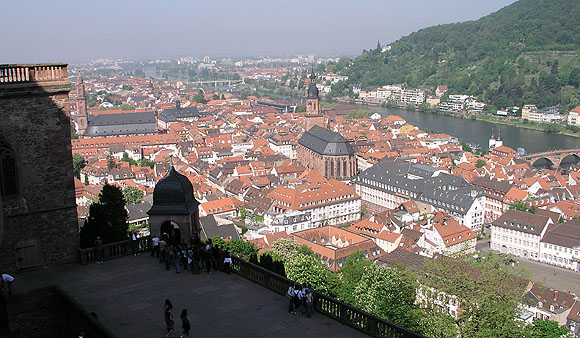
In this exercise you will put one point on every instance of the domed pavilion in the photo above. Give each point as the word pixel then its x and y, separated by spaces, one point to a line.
pixel 174 215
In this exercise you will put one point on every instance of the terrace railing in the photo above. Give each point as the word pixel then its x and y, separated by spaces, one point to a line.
pixel 114 250
pixel 344 313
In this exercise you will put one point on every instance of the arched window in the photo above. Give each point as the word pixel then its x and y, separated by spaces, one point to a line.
pixel 8 172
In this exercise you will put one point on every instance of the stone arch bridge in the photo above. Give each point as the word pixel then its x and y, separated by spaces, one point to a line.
pixel 555 157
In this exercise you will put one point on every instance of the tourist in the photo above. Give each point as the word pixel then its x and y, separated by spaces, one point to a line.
pixel 168 313
pixel 290 296
pixel 185 325
pixel 7 280
pixel 162 250
pixel 177 258
pixel 309 303
pixel 168 256
pixel 155 251
pixel 134 243
pixel 196 260
pixel 99 250
pixel 297 298
pixel 207 256
pixel 227 262
pixel 183 256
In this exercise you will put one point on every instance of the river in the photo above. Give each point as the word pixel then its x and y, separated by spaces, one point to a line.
pixel 478 132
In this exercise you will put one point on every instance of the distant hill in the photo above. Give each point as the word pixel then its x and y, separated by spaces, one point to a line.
pixel 527 52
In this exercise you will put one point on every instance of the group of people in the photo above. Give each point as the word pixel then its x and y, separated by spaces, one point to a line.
pixel 196 257
pixel 168 313
pixel 300 296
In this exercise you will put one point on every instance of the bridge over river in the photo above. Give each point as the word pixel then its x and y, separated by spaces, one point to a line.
pixel 554 158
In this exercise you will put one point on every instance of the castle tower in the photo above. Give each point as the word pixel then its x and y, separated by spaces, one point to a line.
pixel 38 222
pixel 313 113
pixel 81 106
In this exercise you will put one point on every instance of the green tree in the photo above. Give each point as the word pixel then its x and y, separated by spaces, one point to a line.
pixel 545 328
pixel 285 248
pixel 480 163
pixel 308 269
pixel 489 292
pixel 132 195
pixel 111 162
pixel 78 164
pixel 241 248
pixel 522 206
pixel 107 218
pixel 350 275
pixel 389 293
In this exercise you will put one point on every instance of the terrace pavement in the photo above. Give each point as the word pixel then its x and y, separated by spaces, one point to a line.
pixel 128 294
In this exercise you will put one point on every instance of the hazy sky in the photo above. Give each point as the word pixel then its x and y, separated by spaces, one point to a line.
pixel 71 31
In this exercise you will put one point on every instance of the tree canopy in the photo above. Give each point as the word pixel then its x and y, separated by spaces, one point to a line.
pixel 107 218
pixel 132 195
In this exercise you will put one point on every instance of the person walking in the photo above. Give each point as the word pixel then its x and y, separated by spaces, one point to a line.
pixel 177 259
pixel 134 243
pixel 168 314
pixel 162 250
pixel 196 260
pixel 7 280
pixel 227 262
pixel 309 303
pixel 207 257
pixel 155 251
pixel 99 250
pixel 290 296
pixel 185 325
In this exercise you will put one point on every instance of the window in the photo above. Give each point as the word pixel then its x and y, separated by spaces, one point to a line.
pixel 8 173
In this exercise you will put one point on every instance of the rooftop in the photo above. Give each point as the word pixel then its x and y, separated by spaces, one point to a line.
pixel 128 294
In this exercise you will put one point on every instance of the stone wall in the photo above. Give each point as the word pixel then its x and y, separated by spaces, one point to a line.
pixel 39 223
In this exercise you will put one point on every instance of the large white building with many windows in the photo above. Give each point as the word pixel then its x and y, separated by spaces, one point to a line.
pixel 561 245
pixel 389 183
pixel 519 233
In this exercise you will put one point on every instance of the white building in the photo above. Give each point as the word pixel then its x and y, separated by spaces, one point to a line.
pixel 561 245
pixel 328 202
pixel 387 184
pixel 414 96
pixel 519 233
pixel 290 222
pixel 573 117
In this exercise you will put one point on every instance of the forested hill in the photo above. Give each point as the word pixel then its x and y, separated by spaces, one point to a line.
pixel 506 58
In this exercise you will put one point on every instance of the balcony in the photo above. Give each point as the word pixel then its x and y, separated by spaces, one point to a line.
pixel 26 79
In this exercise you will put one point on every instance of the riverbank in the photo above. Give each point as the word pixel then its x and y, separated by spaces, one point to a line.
pixel 552 128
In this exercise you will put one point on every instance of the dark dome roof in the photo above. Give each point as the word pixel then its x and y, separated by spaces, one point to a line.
pixel 173 195
pixel 312 90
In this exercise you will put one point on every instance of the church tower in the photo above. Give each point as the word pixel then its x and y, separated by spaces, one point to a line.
pixel 81 107
pixel 313 113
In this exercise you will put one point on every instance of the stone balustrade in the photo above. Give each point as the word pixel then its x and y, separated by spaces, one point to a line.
pixel 114 250
pixel 33 73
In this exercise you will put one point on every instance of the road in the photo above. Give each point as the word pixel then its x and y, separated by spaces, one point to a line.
pixel 563 280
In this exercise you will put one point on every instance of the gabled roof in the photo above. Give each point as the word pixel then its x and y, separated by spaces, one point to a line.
pixel 326 142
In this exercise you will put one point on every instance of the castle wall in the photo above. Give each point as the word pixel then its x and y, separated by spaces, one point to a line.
pixel 39 223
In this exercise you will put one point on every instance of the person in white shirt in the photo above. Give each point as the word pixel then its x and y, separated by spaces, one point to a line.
pixel 155 250
pixel 7 280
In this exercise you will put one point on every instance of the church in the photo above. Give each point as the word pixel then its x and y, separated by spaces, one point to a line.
pixel 322 149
